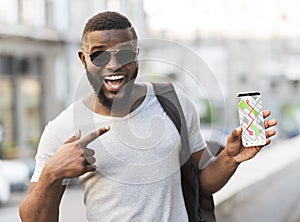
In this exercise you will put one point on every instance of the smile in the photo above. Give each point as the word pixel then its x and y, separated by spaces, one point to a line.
pixel 114 78
pixel 115 81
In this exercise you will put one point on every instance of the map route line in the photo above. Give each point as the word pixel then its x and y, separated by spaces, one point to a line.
pixel 252 108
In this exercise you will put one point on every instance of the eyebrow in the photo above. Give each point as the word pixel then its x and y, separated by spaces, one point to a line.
pixel 103 48
pixel 100 47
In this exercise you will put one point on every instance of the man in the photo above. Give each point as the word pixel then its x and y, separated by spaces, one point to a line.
pixel 130 171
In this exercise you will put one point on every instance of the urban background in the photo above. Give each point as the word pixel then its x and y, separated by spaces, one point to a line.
pixel 246 45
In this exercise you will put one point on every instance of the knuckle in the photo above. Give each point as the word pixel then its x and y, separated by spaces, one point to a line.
pixel 93 135
pixel 76 144
pixel 82 161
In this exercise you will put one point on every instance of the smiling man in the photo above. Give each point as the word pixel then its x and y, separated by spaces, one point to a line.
pixel 128 157
pixel 109 57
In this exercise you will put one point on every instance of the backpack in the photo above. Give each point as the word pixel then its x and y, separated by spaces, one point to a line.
pixel 199 208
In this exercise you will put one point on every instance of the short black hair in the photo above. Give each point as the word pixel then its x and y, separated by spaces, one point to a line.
pixel 106 21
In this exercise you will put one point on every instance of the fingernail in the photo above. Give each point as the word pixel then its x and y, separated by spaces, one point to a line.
pixel 77 134
pixel 239 129
pixel 106 127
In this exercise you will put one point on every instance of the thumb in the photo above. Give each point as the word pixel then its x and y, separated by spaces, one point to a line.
pixel 234 136
pixel 76 136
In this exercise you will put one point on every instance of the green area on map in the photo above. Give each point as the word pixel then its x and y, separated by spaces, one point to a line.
pixel 256 130
pixel 244 105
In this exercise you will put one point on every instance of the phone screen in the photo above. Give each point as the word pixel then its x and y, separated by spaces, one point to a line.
pixel 251 119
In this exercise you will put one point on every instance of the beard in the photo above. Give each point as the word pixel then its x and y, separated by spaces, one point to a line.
pixel 97 86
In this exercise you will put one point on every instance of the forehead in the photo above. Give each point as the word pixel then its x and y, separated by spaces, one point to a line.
pixel 105 39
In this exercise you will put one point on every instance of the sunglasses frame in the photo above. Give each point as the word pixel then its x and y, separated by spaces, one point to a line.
pixel 94 55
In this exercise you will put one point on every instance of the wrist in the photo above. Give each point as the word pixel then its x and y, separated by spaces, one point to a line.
pixel 51 175
pixel 229 160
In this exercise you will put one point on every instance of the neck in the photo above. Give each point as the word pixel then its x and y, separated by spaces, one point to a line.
pixel 120 107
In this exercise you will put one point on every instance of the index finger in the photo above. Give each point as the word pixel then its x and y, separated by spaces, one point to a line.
pixel 92 136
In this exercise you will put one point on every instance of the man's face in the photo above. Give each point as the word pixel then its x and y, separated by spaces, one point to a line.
pixel 110 61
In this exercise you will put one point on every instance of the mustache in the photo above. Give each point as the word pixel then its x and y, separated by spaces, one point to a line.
pixel 97 80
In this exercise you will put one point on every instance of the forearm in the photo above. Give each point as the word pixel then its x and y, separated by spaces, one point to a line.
pixel 214 176
pixel 42 202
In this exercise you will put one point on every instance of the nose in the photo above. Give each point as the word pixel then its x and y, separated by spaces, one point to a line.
pixel 113 63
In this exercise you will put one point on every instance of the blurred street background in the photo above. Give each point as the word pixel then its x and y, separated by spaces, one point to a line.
pixel 232 46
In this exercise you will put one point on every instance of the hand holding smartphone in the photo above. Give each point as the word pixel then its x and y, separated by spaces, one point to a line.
pixel 251 119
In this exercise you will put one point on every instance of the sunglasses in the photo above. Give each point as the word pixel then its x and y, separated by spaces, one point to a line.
pixel 124 56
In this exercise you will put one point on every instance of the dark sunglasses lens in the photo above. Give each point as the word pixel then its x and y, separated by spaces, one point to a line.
pixel 126 56
pixel 100 58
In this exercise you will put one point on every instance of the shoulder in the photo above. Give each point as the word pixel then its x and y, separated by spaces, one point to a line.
pixel 184 98
pixel 63 125
pixel 63 116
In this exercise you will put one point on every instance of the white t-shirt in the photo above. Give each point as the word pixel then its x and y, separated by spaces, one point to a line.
pixel 138 170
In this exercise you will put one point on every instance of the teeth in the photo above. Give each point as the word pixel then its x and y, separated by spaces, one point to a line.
pixel 114 77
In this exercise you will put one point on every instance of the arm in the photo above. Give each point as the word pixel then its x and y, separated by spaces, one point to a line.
pixel 72 159
pixel 218 172
pixel 42 201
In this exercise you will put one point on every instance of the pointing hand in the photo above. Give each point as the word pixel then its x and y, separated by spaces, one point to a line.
pixel 73 158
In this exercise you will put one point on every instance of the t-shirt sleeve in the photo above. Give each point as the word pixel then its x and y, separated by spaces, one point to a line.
pixel 196 139
pixel 54 135
pixel 47 146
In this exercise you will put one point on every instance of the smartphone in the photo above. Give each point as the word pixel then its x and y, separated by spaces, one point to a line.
pixel 251 119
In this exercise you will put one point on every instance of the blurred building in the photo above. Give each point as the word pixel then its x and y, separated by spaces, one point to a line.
pixel 248 45
pixel 214 48
pixel 39 67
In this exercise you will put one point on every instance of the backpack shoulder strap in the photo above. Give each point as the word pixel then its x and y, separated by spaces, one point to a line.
pixel 168 99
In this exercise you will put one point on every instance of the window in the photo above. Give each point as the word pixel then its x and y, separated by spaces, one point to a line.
pixel 9 11
pixel 26 12
pixel 32 12
pixel 20 103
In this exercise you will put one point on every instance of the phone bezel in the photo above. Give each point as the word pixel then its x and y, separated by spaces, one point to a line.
pixel 256 93
pixel 244 142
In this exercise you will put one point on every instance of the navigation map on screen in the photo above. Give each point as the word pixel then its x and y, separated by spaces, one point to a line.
pixel 251 119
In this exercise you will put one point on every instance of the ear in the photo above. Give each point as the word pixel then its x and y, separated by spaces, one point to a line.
pixel 82 58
